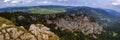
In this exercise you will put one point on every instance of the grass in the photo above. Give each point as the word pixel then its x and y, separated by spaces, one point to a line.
pixel 4 21
pixel 46 11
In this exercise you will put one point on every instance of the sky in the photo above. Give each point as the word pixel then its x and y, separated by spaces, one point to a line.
pixel 108 4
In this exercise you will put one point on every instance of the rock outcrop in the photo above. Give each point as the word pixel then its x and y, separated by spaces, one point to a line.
pixel 36 32
pixel 82 23
pixel 9 31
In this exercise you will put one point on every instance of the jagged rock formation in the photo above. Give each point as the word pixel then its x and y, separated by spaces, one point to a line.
pixel 66 26
pixel 82 23
pixel 71 22
pixel 36 32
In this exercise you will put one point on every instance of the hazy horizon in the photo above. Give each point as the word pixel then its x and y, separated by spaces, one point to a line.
pixel 108 4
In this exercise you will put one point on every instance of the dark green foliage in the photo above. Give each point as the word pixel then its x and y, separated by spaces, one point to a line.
pixel 13 16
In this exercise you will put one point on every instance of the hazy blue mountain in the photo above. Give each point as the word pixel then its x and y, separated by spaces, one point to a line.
pixel 27 8
pixel 103 16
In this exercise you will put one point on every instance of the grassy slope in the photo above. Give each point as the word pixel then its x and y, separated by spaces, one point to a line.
pixel 42 10
pixel 46 11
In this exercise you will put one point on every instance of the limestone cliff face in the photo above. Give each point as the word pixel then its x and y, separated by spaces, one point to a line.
pixel 36 32
pixel 81 23
pixel 63 24
pixel 72 22
pixel 9 31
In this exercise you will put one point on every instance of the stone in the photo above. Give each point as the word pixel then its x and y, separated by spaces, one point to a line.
pixel 36 32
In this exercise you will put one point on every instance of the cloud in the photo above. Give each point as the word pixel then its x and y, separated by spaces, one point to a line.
pixel 29 1
pixel 11 3
pixel 62 0
pixel 45 2
pixel 6 0
pixel 17 1
pixel 116 3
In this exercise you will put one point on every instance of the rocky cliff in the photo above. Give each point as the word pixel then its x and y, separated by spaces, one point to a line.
pixel 66 26
pixel 36 32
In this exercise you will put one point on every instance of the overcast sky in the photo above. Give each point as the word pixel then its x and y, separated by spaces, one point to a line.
pixel 109 4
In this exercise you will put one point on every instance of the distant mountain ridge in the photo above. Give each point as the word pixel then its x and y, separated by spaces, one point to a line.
pixel 103 16
pixel 25 8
